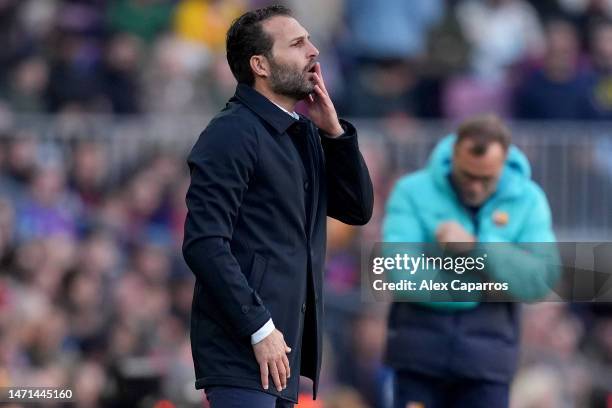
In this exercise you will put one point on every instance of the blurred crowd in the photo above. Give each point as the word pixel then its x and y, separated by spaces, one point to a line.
pixel 94 294
pixel 547 59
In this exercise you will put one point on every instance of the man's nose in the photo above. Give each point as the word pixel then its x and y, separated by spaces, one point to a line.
pixel 476 187
pixel 313 52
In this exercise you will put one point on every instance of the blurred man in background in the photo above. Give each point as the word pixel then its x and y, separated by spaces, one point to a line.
pixel 475 188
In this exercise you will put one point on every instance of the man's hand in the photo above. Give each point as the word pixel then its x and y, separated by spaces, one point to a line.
pixel 320 107
pixel 453 236
pixel 271 355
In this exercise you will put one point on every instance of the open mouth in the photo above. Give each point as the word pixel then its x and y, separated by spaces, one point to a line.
pixel 312 69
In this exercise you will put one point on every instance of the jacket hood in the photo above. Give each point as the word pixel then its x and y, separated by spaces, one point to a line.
pixel 516 170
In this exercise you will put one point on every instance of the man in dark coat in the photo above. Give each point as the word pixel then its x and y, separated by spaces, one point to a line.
pixel 263 180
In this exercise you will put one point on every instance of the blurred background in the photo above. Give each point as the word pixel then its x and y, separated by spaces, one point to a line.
pixel 100 101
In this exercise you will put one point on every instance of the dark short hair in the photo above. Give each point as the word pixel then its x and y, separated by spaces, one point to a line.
pixel 246 38
pixel 483 131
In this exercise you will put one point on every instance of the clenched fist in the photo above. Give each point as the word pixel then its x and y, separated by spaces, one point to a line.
pixel 450 235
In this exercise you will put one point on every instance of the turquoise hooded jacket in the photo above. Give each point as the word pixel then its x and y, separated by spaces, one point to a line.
pixel 423 200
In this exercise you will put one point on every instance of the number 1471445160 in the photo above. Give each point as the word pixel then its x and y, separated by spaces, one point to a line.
pixel 14 394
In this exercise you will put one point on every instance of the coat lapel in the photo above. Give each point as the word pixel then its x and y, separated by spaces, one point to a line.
pixel 313 158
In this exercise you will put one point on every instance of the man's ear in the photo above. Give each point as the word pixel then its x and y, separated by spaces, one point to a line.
pixel 260 66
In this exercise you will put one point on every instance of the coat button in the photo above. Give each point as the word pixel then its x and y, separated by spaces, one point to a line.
pixel 304 307
pixel 245 309
pixel 306 185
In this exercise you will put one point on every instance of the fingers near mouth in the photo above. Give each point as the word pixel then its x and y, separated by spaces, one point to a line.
pixel 312 68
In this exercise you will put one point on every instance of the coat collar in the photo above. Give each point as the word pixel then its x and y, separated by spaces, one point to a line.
pixel 263 107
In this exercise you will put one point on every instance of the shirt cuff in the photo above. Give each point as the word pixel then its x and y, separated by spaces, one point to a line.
pixel 263 332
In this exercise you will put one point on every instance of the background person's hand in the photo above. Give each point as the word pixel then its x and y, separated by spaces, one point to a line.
pixel 320 107
pixel 271 355
pixel 450 235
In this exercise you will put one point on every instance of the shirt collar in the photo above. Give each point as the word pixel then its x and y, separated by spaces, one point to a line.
pixel 265 108
pixel 294 115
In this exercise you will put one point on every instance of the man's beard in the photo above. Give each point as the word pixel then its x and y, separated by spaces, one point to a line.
pixel 288 81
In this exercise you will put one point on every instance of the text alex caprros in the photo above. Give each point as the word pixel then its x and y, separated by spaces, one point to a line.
pixel 404 269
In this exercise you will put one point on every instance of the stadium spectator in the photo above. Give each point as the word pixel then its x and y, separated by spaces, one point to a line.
pixel 601 88
pixel 143 18
pixel 382 66
pixel 501 32
pixel 559 89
